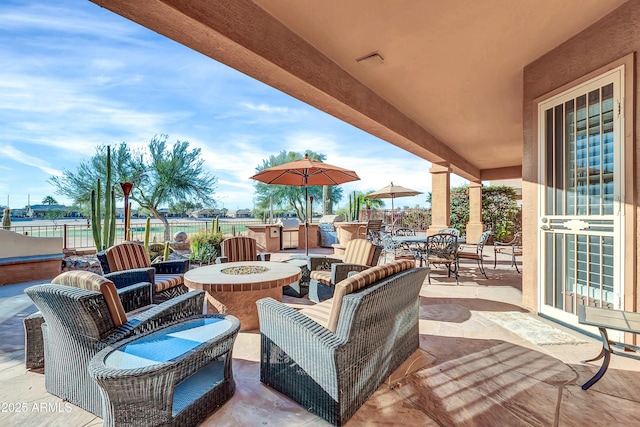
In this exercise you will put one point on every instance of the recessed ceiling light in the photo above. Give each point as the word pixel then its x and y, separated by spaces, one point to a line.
pixel 373 55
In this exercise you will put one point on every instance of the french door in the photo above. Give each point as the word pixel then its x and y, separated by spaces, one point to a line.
pixel 580 211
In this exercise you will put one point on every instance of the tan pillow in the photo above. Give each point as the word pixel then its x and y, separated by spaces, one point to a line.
pixel 81 279
pixel 114 304
pixel 361 280
pixel 359 251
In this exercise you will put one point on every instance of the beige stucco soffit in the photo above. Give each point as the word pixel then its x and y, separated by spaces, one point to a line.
pixel 512 172
pixel 242 35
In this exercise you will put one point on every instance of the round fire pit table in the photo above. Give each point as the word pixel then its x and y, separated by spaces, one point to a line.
pixel 234 287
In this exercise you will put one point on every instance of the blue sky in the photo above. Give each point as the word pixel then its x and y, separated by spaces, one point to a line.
pixel 74 76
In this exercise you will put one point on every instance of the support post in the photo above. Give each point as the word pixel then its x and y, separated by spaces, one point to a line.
pixel 440 197
pixel 475 226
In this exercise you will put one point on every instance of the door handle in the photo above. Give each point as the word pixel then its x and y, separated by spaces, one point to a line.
pixel 544 225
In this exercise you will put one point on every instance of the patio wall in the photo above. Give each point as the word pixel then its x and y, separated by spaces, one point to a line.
pixel 24 258
pixel 611 39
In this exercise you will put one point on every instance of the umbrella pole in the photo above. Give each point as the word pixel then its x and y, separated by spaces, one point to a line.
pixel 393 218
pixel 306 221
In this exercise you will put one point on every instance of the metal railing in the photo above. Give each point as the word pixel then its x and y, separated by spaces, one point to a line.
pixel 80 237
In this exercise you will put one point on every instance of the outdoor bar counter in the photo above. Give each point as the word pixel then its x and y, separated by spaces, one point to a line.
pixel 348 230
pixel 268 236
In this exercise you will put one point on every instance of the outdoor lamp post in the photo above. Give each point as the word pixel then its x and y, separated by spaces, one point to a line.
pixel 126 189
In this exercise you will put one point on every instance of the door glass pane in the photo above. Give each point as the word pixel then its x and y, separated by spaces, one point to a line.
pixel 607 272
pixel 549 163
pixel 594 153
pixel 558 149
pixel 581 154
pixel 559 267
pixel 549 279
pixel 570 167
pixel 607 149
pixel 570 273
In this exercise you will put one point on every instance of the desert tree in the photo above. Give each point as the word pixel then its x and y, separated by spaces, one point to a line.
pixel 162 174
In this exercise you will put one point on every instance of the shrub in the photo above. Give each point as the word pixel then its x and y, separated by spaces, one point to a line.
pixel 417 219
pixel 500 212
pixel 205 246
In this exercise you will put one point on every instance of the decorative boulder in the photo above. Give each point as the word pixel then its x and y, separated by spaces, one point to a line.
pixel 180 237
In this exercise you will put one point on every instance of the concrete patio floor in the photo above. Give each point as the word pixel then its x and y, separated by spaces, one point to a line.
pixel 468 371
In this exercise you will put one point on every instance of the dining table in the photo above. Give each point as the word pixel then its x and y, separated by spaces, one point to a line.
pixel 418 246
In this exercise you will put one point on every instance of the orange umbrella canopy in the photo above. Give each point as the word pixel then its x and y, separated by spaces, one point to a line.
pixel 306 173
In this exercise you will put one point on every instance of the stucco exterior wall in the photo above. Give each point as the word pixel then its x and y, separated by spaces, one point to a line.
pixel 18 245
pixel 614 37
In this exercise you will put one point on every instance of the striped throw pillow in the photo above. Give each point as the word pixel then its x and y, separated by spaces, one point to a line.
pixel 361 280
pixel 114 304
pixel 80 279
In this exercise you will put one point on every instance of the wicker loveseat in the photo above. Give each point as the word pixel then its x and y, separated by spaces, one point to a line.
pixel 332 357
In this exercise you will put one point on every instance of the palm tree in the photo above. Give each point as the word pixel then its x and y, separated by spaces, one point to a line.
pixel 49 201
pixel 370 203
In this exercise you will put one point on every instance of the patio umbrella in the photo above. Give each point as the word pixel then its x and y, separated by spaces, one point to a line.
pixel 391 192
pixel 306 173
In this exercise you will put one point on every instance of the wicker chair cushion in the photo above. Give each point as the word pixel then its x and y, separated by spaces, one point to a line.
pixel 80 279
pixel 322 276
pixel 114 304
pixel 359 251
pixel 359 281
pixel 127 256
pixel 320 312
pixel 239 249
pixel 167 281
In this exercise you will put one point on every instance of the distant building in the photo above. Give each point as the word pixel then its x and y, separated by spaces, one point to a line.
pixel 201 213
pixel 40 211
pixel 240 213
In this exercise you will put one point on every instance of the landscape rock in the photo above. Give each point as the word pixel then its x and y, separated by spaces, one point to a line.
pixel 180 237
pixel 82 262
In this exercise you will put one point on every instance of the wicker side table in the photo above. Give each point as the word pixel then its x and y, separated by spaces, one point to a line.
pixel 33 341
pixel 177 375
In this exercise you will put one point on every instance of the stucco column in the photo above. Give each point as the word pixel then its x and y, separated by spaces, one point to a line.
pixel 475 226
pixel 440 197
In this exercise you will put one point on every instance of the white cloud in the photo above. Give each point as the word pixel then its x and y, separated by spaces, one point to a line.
pixel 264 108
pixel 25 159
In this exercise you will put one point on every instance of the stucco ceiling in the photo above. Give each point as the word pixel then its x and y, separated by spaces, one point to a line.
pixel 449 88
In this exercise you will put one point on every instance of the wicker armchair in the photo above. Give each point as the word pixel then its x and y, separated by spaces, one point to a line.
pixel 81 322
pixel 134 298
pixel 234 249
pixel 324 273
pixel 167 276
pixel 332 369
